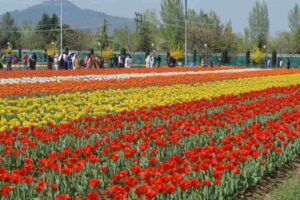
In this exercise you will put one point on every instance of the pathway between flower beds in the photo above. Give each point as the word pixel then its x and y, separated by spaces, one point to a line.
pixel 120 76
pixel 283 184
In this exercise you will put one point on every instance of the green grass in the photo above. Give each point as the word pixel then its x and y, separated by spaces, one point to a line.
pixel 289 189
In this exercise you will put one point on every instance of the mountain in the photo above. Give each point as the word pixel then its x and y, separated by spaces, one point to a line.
pixel 72 15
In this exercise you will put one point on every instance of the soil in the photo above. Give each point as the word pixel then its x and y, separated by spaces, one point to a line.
pixel 269 183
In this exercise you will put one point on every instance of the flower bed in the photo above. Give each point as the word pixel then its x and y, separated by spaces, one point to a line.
pixel 83 72
pixel 61 108
pixel 185 136
pixel 199 150
pixel 55 87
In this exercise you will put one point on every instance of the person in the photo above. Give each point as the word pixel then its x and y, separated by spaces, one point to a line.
pixel 152 61
pixel 269 63
pixel 288 64
pixel 34 60
pixel 94 61
pixel 100 62
pixel 202 62
pixel 76 62
pixel 50 62
pixel 89 61
pixel 120 61
pixel 69 62
pixel 220 62
pixel 9 60
pixel 280 63
pixel 1 62
pixel 158 60
pixel 171 61
pixel 65 58
pixel 25 61
pixel 148 61
pixel 114 61
pixel 56 62
pixel 31 61
pixel 128 61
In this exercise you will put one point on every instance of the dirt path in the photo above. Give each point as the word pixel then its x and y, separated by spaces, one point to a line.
pixel 283 184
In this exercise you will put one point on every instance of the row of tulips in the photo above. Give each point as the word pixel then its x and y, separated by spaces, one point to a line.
pixel 95 77
pixel 55 87
pixel 61 108
pixel 204 149
pixel 51 73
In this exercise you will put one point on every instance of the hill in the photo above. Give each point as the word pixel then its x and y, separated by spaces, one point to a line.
pixel 72 15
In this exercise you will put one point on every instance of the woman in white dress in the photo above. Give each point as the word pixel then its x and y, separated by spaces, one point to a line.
pixel 148 61
pixel 128 62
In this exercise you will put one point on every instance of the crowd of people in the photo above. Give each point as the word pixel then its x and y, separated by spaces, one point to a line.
pixel 91 61
pixel 73 61
pixel 28 61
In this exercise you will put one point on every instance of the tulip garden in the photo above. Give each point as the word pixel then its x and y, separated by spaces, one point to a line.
pixel 145 133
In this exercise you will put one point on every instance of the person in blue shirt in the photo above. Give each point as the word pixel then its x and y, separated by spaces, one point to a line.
pixel 9 60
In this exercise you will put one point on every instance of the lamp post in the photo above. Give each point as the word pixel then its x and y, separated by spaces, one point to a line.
pixel 265 49
pixel 138 18
pixel 61 27
pixel 185 33
pixel 206 52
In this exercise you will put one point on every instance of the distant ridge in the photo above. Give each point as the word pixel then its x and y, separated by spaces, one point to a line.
pixel 72 15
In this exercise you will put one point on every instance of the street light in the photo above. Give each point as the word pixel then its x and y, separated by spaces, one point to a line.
pixel 138 18
pixel 206 58
pixel 185 34
pixel 61 27
pixel 265 48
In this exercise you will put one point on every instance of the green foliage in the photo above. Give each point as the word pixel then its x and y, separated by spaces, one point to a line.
pixel 274 58
pixel 103 35
pixel 259 23
pixel 48 29
pixel 225 57
pixel 145 40
pixel 123 38
pixel 9 31
pixel 172 15
pixel 247 58
pixel 294 17
pixel 296 40
pixel 257 56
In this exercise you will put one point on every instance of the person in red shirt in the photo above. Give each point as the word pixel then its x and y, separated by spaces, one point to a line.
pixel 25 61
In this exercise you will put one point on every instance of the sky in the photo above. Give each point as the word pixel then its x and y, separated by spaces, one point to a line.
pixel 235 10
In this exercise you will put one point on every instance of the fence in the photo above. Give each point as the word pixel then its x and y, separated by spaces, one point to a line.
pixel 139 58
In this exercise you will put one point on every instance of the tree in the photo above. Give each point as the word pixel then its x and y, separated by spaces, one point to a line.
pixel 9 31
pixel 103 35
pixel 294 17
pixel 296 40
pixel 123 38
pixel 71 38
pixel 259 23
pixel 151 18
pixel 145 40
pixel 282 42
pixel 27 32
pixel 48 29
pixel 172 15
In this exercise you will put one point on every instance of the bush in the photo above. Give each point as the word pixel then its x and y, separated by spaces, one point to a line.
pixel 274 58
pixel 247 58
pixel 225 59
pixel 257 56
